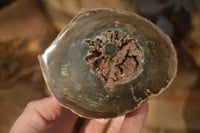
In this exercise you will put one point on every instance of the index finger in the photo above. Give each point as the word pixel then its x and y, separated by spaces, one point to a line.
pixel 134 121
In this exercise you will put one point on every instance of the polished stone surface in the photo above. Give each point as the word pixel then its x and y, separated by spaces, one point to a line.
pixel 70 80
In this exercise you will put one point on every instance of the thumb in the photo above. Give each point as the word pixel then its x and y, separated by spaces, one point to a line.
pixel 36 116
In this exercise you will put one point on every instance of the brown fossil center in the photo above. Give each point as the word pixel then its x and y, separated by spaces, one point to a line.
pixel 115 56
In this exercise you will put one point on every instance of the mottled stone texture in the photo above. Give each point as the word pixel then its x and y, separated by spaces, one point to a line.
pixel 115 57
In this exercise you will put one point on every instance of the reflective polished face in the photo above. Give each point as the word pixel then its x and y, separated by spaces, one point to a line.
pixel 107 62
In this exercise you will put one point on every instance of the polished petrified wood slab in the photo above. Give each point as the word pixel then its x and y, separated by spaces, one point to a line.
pixel 107 62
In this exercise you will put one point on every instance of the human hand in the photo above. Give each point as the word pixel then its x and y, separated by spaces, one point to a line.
pixel 46 115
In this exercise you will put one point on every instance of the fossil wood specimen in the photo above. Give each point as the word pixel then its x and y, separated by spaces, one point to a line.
pixel 107 62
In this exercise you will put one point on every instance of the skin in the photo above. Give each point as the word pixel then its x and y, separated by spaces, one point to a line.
pixel 47 116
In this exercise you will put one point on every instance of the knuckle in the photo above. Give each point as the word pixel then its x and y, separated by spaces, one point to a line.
pixel 31 106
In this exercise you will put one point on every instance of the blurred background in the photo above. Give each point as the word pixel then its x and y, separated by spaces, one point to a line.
pixel 27 27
